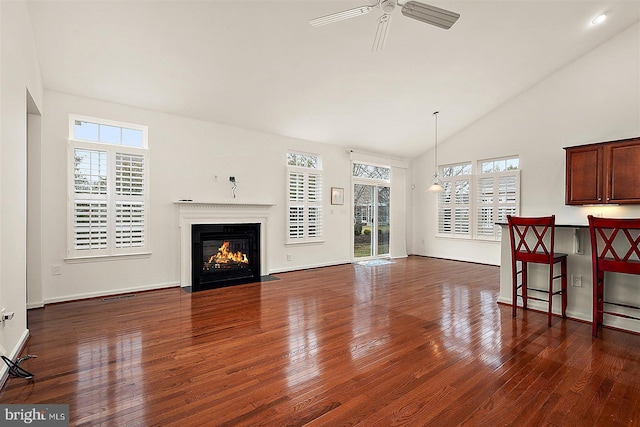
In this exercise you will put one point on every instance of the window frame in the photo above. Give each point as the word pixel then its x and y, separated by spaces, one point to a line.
pixel 74 117
pixel 110 198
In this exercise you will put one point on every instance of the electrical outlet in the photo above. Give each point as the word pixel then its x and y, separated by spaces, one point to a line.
pixel 288 257
pixel 55 270
pixel 576 280
pixel 215 178
pixel 2 313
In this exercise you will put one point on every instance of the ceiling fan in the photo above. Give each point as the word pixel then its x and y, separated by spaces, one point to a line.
pixel 413 9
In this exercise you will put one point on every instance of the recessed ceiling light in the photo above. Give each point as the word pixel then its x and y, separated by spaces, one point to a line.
pixel 599 19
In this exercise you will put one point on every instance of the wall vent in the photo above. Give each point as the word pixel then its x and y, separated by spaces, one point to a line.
pixel 117 297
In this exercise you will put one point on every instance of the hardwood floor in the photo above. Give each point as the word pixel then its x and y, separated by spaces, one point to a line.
pixel 418 342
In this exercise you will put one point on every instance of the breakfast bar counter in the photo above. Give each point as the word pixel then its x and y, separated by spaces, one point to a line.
pixel 573 239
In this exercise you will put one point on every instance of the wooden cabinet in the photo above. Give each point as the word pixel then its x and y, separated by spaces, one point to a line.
pixel 607 172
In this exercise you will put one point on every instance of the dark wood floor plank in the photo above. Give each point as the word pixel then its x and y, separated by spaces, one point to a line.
pixel 418 342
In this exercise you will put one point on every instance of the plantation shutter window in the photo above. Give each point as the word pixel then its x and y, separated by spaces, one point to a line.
pixel 454 202
pixel 497 195
pixel 109 189
pixel 471 204
pixel 304 201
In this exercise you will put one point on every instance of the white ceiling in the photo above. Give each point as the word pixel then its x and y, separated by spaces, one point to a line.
pixel 259 64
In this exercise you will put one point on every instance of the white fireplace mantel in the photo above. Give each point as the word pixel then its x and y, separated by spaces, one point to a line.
pixel 190 213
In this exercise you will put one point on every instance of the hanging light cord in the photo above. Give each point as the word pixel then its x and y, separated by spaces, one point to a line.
pixel 435 158
pixel 14 367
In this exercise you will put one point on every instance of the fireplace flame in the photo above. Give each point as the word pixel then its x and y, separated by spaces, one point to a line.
pixel 224 256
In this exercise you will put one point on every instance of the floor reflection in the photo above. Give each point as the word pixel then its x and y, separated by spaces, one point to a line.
pixel 467 331
pixel 304 320
pixel 123 349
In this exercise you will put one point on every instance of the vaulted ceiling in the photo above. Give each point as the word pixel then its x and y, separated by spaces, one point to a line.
pixel 260 65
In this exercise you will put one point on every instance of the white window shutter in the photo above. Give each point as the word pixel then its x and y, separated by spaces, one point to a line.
pixel 129 174
pixel 508 189
pixel 461 218
pixel 445 219
pixel 461 221
pixel 296 222
pixel 90 172
pixel 130 221
pixel 314 188
pixel 497 195
pixel 90 209
pixel 508 198
pixel 485 205
pixel 304 222
pixel 90 225
pixel 314 218
pixel 315 221
pixel 296 187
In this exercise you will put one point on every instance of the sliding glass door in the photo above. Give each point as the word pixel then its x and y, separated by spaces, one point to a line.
pixel 371 220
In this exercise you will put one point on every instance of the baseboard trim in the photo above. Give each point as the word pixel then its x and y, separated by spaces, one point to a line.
pixel 308 266
pixel 469 261
pixel 38 304
pixel 110 292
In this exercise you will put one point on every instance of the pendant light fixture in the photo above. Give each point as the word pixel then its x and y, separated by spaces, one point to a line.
pixel 436 183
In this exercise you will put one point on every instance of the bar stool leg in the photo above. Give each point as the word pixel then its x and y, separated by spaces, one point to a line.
pixel 563 266
pixel 524 285
pixel 598 304
pixel 514 288
pixel 594 321
pixel 550 303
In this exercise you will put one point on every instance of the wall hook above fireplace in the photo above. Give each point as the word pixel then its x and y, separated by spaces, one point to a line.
pixel 232 179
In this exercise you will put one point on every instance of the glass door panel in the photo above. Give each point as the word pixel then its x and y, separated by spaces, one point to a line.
pixel 383 220
pixel 363 196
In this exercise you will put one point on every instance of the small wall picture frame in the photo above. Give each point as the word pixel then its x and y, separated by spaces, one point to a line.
pixel 337 196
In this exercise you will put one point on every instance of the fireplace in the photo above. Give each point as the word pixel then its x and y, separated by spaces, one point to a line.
pixel 224 255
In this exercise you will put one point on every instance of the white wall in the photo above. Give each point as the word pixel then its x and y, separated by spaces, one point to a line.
pixel 19 74
pixel 34 207
pixel 595 98
pixel 185 154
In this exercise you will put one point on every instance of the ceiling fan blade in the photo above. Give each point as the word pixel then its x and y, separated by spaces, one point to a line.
pixel 381 32
pixel 346 14
pixel 430 14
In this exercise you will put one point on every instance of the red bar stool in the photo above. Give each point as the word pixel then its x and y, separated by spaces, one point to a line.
pixel 532 240
pixel 609 235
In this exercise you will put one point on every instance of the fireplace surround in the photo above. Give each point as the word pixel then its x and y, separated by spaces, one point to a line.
pixel 193 213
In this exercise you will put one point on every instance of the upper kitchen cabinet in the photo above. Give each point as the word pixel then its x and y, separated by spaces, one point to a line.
pixel 603 173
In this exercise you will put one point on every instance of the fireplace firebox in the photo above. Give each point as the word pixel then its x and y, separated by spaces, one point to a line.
pixel 224 255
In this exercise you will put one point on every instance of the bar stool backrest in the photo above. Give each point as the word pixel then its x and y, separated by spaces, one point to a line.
pixel 615 244
pixel 532 238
